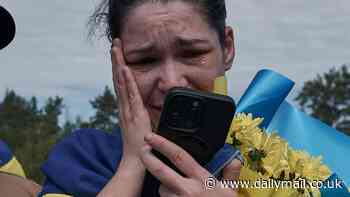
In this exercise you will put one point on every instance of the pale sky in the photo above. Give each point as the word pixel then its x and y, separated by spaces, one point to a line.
pixel 51 55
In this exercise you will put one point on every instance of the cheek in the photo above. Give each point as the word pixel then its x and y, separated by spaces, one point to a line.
pixel 202 77
pixel 145 83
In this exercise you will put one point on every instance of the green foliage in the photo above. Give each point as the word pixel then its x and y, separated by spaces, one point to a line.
pixel 327 97
pixel 106 106
pixel 29 131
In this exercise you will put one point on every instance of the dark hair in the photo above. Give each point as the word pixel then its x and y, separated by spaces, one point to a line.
pixel 110 14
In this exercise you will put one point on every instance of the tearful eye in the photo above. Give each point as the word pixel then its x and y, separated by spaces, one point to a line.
pixel 142 64
pixel 193 54
pixel 142 61
pixel 145 61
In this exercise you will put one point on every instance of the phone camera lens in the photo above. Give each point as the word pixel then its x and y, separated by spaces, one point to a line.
pixel 195 104
pixel 175 114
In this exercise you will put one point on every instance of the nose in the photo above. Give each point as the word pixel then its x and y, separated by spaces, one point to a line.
pixel 171 75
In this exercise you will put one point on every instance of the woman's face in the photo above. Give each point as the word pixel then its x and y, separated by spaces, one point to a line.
pixel 171 45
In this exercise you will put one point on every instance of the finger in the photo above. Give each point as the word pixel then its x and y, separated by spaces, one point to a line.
pixel 178 156
pixel 232 171
pixel 218 192
pixel 135 100
pixel 165 192
pixel 117 52
pixel 114 51
pixel 162 172
pixel 123 95
pixel 117 61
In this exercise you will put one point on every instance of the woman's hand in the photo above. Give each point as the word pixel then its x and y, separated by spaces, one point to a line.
pixel 134 118
pixel 135 124
pixel 173 184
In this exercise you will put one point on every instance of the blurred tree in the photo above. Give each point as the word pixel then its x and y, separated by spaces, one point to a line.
pixel 15 115
pixel 106 115
pixel 327 97
pixel 28 130
pixel 50 115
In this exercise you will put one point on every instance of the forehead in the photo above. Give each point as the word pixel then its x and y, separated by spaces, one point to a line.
pixel 152 21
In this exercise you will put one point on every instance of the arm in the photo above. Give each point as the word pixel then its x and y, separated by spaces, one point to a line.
pixel 12 185
pixel 127 181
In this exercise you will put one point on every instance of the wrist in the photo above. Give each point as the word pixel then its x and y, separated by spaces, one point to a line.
pixel 131 163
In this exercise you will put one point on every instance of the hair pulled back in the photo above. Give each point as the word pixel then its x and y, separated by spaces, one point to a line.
pixel 109 16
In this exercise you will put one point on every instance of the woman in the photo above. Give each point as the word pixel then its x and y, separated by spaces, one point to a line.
pixel 157 45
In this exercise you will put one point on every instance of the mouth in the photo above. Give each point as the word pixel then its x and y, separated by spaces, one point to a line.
pixel 157 107
pixel 155 112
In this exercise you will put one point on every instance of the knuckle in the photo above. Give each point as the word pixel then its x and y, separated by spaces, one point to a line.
pixel 194 190
pixel 159 171
pixel 179 156
pixel 161 142
pixel 128 118
pixel 141 116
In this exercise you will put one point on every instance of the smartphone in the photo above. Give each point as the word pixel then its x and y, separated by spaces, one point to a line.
pixel 196 121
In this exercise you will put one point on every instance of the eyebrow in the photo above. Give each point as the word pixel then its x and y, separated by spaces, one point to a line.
pixel 188 42
pixel 146 47
pixel 180 42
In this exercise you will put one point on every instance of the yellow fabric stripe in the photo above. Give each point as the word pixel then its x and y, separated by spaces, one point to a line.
pixel 13 167
pixel 56 195
pixel 220 85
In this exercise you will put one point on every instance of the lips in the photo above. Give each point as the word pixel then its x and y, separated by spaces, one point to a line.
pixel 157 107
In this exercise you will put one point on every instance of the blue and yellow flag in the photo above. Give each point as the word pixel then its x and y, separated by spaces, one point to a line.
pixel 265 97
pixel 9 163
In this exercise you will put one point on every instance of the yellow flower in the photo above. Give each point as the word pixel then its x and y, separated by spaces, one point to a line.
pixel 306 166
pixel 276 150
pixel 244 128
pixel 269 156
pixel 250 190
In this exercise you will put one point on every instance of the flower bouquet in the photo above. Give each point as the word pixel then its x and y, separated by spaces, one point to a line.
pixel 285 151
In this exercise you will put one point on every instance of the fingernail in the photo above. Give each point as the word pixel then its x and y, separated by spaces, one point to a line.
pixel 116 42
pixel 148 137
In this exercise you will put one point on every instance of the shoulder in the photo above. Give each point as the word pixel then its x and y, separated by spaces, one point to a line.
pixel 91 141
pixel 83 162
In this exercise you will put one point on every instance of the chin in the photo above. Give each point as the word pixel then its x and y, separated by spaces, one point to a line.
pixel 155 117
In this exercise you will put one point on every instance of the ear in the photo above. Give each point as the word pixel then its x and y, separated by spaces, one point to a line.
pixel 229 48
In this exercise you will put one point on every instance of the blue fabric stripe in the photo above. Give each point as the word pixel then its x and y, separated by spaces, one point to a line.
pixel 83 163
pixel 306 133
pixel 222 158
pixel 331 188
pixel 5 153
